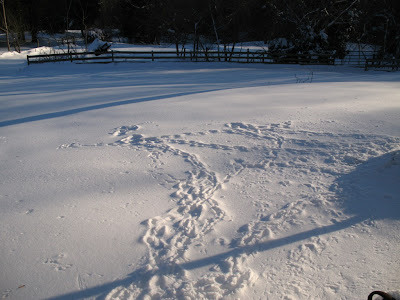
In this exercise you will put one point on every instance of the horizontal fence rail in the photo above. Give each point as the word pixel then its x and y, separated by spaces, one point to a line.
pixel 391 64
pixel 362 59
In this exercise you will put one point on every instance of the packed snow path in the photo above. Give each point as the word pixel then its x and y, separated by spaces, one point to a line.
pixel 250 159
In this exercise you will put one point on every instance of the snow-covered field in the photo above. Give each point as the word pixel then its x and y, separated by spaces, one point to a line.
pixel 166 180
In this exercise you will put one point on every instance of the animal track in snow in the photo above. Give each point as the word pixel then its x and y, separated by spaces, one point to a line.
pixel 123 130
pixel 271 160
pixel 56 263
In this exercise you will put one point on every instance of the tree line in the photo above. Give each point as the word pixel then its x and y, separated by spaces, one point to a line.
pixel 301 26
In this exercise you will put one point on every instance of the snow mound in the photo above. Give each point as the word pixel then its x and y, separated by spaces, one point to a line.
pixel 96 45
pixel 372 189
pixel 23 54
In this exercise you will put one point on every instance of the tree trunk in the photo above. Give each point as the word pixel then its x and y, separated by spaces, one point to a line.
pixel 5 24
pixel 177 44
pixel 34 35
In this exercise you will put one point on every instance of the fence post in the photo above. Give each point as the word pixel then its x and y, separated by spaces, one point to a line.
pixel 27 57
pixel 112 55
pixel 248 55
pixel 152 55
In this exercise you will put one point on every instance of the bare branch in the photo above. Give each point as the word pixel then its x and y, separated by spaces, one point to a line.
pixel 346 10
pixel 309 13
pixel 135 6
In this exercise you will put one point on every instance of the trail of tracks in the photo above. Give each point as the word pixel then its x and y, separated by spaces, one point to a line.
pixel 168 237
pixel 285 173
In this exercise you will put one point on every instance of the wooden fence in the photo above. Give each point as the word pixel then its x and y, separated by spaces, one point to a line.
pixel 247 56
pixel 390 64
pixel 242 56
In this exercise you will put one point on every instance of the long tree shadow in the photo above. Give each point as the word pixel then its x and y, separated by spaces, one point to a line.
pixel 101 291
pixel 98 106
pixel 371 191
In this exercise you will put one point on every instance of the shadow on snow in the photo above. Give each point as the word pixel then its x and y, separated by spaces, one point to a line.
pixel 75 81
pixel 370 192
pixel 95 107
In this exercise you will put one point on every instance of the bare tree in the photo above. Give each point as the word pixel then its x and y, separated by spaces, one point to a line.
pixel 84 29
pixel 5 24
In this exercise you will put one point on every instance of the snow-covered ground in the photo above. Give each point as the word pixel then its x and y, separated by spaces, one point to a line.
pixel 164 180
